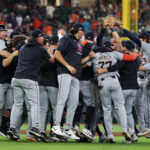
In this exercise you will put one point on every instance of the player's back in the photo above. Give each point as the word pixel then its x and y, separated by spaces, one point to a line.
pixel 105 60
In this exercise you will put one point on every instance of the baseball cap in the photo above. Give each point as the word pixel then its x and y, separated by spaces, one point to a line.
pixel 89 35
pixel 3 27
pixel 129 45
pixel 123 43
pixel 37 33
pixel 107 44
pixel 53 39
pixel 78 26
pixel 99 49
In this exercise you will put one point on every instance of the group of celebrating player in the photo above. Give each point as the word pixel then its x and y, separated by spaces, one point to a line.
pixel 104 79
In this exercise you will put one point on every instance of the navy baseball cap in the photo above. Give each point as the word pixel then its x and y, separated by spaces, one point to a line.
pixel 107 44
pixel 53 39
pixel 3 27
pixel 78 26
pixel 129 45
pixel 89 36
pixel 123 43
pixel 36 33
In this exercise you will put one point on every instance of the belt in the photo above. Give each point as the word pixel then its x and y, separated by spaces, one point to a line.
pixel 102 79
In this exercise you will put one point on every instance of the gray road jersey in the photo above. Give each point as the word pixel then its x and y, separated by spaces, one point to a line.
pixel 146 50
pixel 105 60
pixel 2 45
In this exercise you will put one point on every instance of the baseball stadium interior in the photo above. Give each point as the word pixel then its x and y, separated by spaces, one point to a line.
pixel 74 72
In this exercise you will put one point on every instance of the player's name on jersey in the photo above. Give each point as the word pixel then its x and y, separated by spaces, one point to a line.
pixel 104 57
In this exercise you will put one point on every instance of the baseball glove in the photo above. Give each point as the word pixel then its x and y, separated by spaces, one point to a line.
pixel 108 22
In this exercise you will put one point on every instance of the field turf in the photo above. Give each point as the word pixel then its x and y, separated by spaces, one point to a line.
pixel 142 144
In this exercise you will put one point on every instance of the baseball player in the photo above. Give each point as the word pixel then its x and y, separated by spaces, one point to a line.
pixel 30 57
pixel 111 92
pixel 17 42
pixel 86 87
pixel 143 44
pixel 69 56
pixel 7 69
pixel 48 85
pixel 128 81
pixel 3 34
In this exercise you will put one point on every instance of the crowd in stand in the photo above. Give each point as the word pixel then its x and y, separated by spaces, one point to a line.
pixel 32 15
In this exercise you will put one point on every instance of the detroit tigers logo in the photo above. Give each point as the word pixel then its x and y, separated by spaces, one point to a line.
pixel 79 48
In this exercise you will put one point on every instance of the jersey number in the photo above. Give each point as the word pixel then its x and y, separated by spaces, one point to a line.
pixel 105 63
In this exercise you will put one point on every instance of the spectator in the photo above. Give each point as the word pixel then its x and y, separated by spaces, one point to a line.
pixel 86 26
pixel 50 10
pixel 19 20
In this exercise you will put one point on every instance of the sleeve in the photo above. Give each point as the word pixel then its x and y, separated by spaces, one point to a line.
pixel 147 67
pixel 131 36
pixel 118 55
pixel 63 45
pixel 116 67
pixel 145 46
pixel 100 37
pixel 2 45
pixel 127 57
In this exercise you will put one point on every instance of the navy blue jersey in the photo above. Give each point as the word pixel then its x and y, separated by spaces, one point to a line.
pixel 30 58
pixel 48 75
pixel 6 73
pixel 71 51
pixel 87 73
pixel 128 73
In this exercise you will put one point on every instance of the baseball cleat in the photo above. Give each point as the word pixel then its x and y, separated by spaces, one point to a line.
pixel 35 132
pixel 3 133
pixel 127 136
pixel 102 138
pixel 87 133
pixel 53 137
pixel 45 139
pixel 134 138
pixel 78 132
pixel 57 130
pixel 57 138
pixel 143 132
pixel 12 135
pixel 70 134
pixel 84 140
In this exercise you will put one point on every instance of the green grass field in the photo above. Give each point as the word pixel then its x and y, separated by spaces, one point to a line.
pixel 142 144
